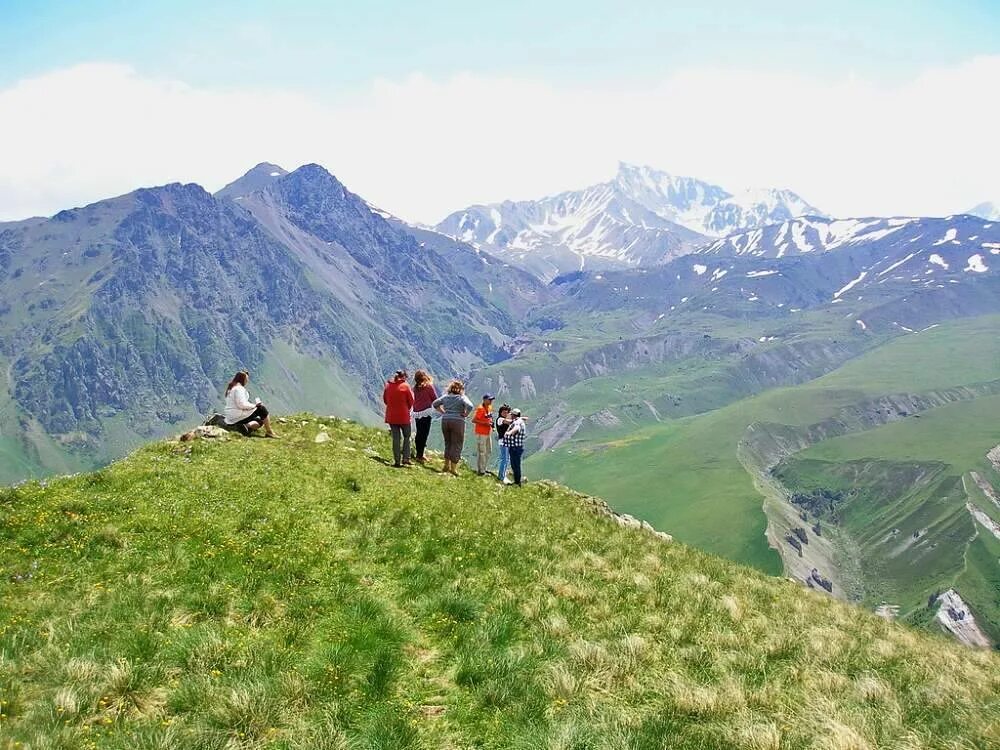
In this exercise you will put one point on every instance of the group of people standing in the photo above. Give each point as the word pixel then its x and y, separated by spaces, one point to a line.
pixel 420 404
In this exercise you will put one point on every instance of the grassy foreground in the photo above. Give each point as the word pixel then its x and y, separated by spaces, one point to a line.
pixel 295 594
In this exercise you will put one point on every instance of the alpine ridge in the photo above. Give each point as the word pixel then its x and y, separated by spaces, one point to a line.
pixel 641 217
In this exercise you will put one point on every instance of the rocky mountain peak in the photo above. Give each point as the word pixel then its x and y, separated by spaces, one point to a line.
pixel 256 179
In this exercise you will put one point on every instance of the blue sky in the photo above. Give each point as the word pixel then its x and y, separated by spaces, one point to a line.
pixel 862 107
pixel 333 46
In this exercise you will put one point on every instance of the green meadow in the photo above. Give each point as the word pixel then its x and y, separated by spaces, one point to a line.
pixel 293 594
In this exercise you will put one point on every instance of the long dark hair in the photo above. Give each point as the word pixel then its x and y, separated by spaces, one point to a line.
pixel 239 378
pixel 421 378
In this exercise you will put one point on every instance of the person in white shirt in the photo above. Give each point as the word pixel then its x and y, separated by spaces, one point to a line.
pixel 241 414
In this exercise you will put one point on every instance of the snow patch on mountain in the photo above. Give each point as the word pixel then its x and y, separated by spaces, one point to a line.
pixel 949 236
pixel 850 285
pixel 976 264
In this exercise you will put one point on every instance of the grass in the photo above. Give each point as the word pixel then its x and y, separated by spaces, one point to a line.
pixel 959 434
pixel 293 594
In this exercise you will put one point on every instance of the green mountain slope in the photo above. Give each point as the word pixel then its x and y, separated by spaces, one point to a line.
pixel 302 594
pixel 907 490
pixel 705 477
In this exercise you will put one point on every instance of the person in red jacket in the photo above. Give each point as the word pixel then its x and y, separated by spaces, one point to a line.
pixel 398 399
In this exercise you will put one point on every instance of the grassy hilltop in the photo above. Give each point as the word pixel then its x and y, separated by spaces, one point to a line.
pixel 302 594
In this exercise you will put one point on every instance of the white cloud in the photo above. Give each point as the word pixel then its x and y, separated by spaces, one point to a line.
pixel 421 147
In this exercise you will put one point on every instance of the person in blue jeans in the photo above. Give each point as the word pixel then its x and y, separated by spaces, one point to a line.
pixel 501 423
pixel 513 438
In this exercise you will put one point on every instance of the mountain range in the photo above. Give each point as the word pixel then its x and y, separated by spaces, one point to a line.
pixel 123 316
pixel 122 320
pixel 641 217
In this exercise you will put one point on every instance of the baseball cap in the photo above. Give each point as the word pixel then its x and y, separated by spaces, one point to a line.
pixel 488 397
pixel 516 412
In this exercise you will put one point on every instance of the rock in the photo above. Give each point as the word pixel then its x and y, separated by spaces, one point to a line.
pixel 824 583
pixel 210 432
pixel 601 508
pixel 322 437
pixel 794 542
pixel 204 432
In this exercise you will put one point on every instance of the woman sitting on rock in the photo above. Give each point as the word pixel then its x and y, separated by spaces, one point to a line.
pixel 241 415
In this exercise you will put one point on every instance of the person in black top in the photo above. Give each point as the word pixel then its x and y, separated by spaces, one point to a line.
pixel 513 438
pixel 501 423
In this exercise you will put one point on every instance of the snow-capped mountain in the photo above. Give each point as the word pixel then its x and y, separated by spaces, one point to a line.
pixel 815 235
pixel 594 228
pixel 705 208
pixel 892 274
pixel 988 210
pixel 642 217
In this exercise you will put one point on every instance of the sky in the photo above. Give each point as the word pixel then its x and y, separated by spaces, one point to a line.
pixel 863 108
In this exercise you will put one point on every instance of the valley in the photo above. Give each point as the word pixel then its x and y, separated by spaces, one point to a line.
pixel 929 398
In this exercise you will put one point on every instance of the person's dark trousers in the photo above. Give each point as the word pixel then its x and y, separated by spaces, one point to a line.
pixel 258 415
pixel 423 430
pixel 400 443
pixel 453 432
pixel 515 462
